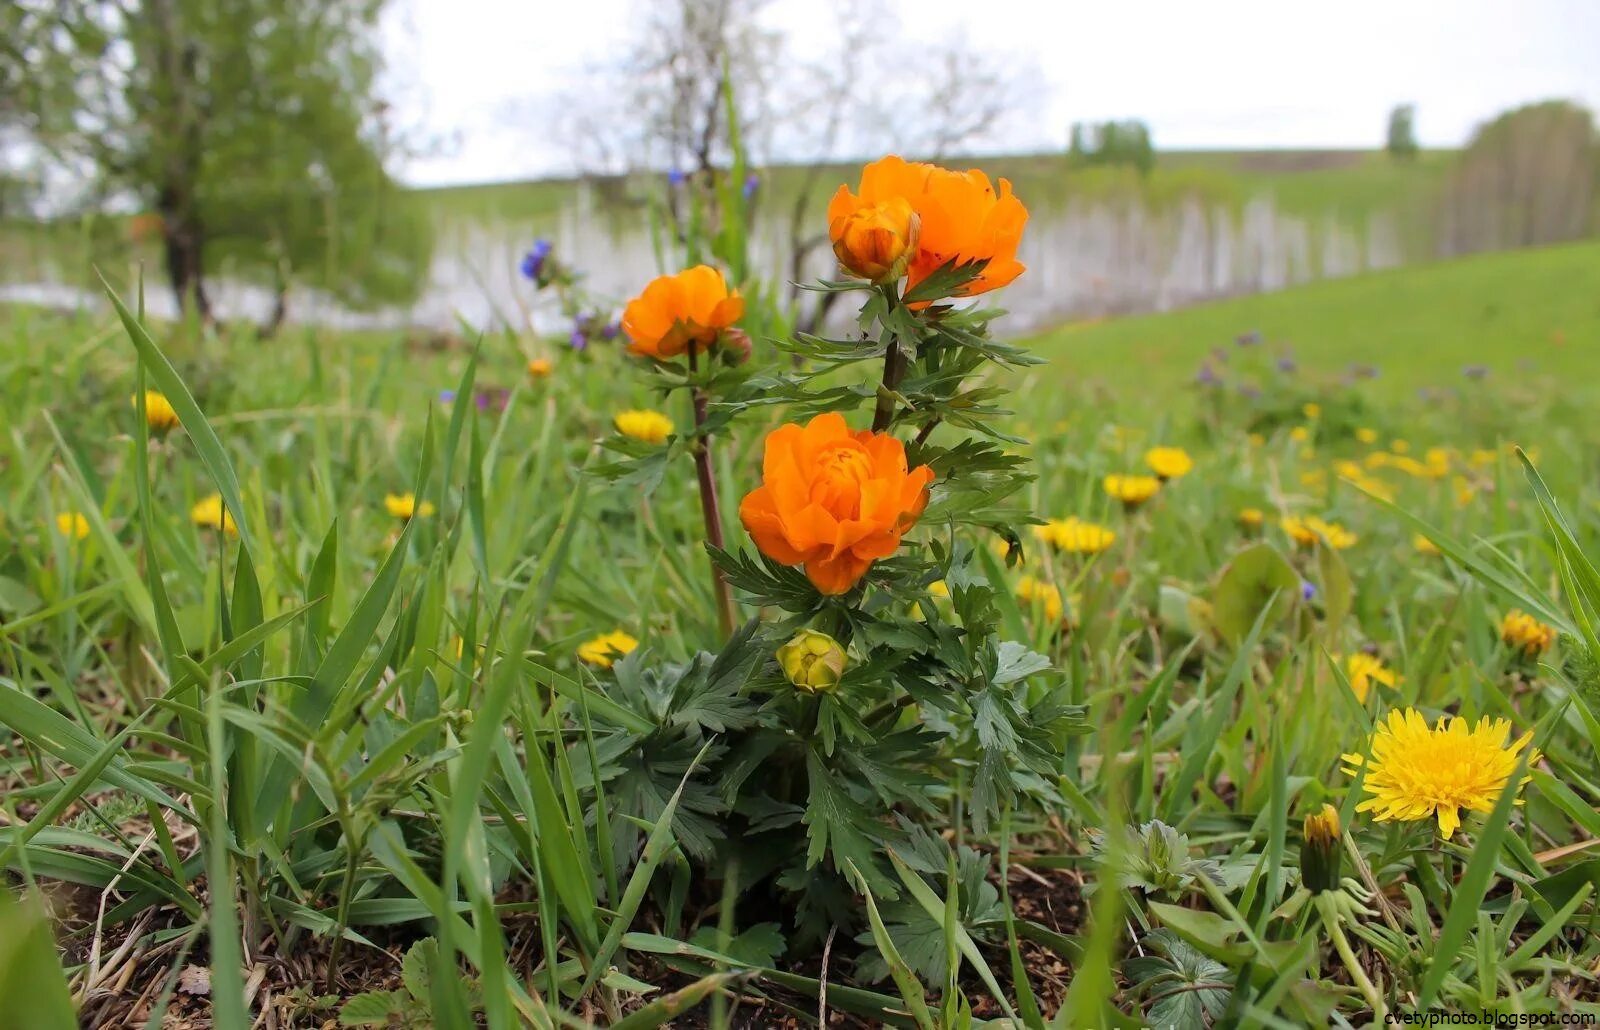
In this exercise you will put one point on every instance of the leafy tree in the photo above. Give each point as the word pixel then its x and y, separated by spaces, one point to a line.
pixel 1402 138
pixel 1527 178
pixel 252 129
pixel 1125 143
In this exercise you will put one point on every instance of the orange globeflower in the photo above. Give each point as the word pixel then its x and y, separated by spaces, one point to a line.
pixel 960 218
pixel 676 312
pixel 832 500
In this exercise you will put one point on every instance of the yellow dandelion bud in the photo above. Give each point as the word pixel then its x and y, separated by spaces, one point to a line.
pixel 1251 518
pixel 1367 436
pixel 1363 670
pixel 72 525
pixel 1132 491
pixel 1423 544
pixel 1031 591
pixel 1522 632
pixel 1319 851
pixel 158 411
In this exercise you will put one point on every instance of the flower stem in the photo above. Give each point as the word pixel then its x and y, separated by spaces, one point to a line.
pixel 894 367
pixel 1341 944
pixel 710 510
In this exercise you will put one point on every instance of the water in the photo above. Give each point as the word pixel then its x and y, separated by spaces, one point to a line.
pixel 1088 259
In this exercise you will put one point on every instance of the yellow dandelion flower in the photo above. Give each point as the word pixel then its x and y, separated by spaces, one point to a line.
pixel 1367 436
pixel 1378 459
pixel 606 648
pixel 1299 434
pixel 1307 531
pixel 1436 462
pixel 158 411
pixel 540 368
pixel 1347 469
pixel 1363 670
pixel 72 525
pixel 1416 772
pixel 405 506
pixel 1522 632
pixel 1423 544
pixel 1032 591
pixel 1399 446
pixel 649 426
pixel 1169 462
pixel 1312 410
pixel 1132 491
pixel 1482 458
pixel 1256 440
pixel 1075 536
pixel 1315 479
pixel 1251 518
pixel 211 513
pixel 1464 491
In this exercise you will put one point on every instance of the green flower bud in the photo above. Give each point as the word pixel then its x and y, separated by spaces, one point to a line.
pixel 1319 852
pixel 812 661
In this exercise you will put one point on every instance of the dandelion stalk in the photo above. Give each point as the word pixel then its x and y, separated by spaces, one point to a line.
pixel 1341 944
pixel 710 510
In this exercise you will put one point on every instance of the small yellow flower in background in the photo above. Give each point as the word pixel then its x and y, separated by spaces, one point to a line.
pixel 1075 536
pixel 1464 491
pixel 1312 410
pixel 1169 462
pixel 1416 772
pixel 1363 670
pixel 813 662
pixel 1522 632
pixel 72 525
pixel 1315 479
pixel 1378 459
pixel 649 426
pixel 1132 491
pixel 158 411
pixel 1410 466
pixel 1436 462
pixel 606 648
pixel 1399 446
pixel 1251 518
pixel 1319 851
pixel 1036 591
pixel 1299 434
pixel 1482 458
pixel 1256 440
pixel 405 506
pixel 1367 436
pixel 1423 544
pixel 540 368
pixel 1347 469
pixel 1307 531
pixel 211 513
pixel 939 588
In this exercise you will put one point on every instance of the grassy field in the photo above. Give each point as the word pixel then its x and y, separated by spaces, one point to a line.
pixel 337 763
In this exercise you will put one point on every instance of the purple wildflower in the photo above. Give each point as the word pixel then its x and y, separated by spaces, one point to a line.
pixel 676 177
pixel 1207 376
pixel 1308 590
pixel 1287 365
pixel 751 183
pixel 1475 371
pixel 533 261
pixel 447 396
pixel 579 340
pixel 1249 339
pixel 611 330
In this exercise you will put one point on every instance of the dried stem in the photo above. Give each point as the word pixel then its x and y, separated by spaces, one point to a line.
pixel 709 508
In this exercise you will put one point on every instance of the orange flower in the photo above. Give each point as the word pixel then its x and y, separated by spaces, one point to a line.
pixel 676 312
pixel 961 218
pixel 832 500
pixel 876 241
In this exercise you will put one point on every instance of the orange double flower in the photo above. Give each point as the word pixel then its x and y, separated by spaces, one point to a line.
pixel 909 218
pixel 676 312
pixel 832 500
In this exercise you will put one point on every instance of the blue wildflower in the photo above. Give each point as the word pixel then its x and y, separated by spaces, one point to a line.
pixel 533 261
pixel 447 396
pixel 751 183
pixel 676 177
pixel 1308 590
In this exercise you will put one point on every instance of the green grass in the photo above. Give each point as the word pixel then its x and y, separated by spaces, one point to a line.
pixel 1531 316
pixel 339 721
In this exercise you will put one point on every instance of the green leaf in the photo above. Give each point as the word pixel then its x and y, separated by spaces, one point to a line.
pixel 33 988
pixel 1258 578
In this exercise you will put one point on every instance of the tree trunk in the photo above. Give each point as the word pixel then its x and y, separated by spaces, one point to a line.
pixel 184 268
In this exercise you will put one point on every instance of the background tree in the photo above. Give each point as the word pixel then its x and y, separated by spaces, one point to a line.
pixel 1527 178
pixel 1119 143
pixel 252 128
pixel 1401 141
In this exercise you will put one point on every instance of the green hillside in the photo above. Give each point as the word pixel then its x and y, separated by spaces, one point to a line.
pixel 1527 314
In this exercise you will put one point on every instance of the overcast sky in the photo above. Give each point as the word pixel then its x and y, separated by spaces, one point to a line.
pixel 1229 73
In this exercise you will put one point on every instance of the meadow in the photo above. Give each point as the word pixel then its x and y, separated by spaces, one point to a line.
pixel 383 680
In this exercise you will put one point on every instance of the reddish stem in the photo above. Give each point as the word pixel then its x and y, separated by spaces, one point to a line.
pixel 710 510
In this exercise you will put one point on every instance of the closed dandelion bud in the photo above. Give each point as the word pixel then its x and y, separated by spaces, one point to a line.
pixel 877 241
pixel 812 661
pixel 1319 852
